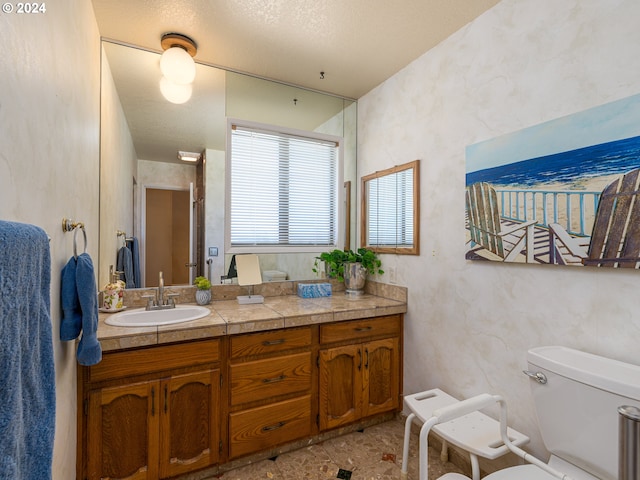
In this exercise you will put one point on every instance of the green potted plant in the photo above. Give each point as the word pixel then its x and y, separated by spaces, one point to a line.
pixel 367 258
pixel 357 266
pixel 350 267
pixel 203 292
pixel 333 263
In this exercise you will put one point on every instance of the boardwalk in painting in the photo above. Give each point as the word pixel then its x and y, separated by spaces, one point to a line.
pixel 540 246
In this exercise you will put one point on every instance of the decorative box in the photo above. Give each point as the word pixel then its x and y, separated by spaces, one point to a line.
pixel 314 290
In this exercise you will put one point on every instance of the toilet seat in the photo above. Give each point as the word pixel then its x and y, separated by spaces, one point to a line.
pixel 521 472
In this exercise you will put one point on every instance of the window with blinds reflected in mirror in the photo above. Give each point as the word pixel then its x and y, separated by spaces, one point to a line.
pixel 390 220
pixel 282 187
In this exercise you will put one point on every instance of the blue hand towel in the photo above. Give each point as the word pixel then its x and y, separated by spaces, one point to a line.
pixel 134 246
pixel 89 350
pixel 27 395
pixel 79 298
pixel 71 323
pixel 125 264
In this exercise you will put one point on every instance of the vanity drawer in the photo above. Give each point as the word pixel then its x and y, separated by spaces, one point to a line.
pixel 266 378
pixel 264 427
pixel 154 359
pixel 269 342
pixel 356 329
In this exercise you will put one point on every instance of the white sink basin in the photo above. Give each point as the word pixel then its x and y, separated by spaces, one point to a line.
pixel 153 318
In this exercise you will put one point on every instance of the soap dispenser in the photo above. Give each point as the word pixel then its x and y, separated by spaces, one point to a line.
pixel 113 292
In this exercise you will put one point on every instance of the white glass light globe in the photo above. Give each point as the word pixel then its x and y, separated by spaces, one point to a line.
pixel 178 66
pixel 175 93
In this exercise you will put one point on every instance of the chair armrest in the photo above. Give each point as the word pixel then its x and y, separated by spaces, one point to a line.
pixel 517 227
pixel 575 246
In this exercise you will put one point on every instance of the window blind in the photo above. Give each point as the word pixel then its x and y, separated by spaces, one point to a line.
pixel 283 189
pixel 390 210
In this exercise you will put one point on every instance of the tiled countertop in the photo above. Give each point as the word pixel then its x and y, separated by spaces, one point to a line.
pixel 281 311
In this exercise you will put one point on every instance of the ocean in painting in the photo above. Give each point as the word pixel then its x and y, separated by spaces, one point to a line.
pixel 614 157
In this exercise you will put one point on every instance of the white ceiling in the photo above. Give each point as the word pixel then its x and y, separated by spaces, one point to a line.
pixel 357 43
pixel 159 128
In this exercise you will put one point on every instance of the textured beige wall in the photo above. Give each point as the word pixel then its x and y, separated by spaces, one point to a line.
pixel 469 325
pixel 118 168
pixel 49 156
pixel 214 212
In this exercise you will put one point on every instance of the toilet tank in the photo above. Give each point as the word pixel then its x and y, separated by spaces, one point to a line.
pixel 577 407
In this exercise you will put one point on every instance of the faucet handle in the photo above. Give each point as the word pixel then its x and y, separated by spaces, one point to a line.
pixel 150 299
pixel 171 299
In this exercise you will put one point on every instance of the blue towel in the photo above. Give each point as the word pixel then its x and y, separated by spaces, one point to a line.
pixel 79 300
pixel 89 350
pixel 71 322
pixel 124 264
pixel 135 257
pixel 27 394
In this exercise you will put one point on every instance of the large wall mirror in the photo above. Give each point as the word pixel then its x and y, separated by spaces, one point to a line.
pixel 142 179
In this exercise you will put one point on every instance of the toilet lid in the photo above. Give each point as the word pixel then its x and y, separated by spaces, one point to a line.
pixel 521 472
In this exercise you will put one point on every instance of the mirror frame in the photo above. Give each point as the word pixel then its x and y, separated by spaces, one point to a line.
pixel 414 249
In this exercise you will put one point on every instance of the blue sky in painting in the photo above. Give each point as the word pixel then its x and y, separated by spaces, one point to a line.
pixel 612 121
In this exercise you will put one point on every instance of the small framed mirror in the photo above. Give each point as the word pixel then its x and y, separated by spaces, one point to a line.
pixel 390 220
pixel 248 267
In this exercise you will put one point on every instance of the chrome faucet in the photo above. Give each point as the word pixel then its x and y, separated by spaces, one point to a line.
pixel 160 291
pixel 157 301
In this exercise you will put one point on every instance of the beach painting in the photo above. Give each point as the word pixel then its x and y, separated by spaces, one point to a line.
pixel 564 192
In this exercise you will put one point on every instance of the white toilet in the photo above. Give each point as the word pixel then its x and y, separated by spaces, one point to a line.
pixel 577 409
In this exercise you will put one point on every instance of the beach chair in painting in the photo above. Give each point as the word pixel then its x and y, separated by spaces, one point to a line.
pixel 504 240
pixel 615 238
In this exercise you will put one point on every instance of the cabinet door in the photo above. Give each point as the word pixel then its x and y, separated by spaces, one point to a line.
pixel 123 432
pixel 190 407
pixel 340 385
pixel 381 376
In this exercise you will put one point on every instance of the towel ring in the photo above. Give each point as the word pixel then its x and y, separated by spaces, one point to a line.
pixel 75 245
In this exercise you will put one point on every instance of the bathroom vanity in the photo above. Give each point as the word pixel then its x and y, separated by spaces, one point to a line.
pixel 246 382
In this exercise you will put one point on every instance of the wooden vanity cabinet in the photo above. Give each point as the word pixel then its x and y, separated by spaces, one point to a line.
pixel 152 413
pixel 359 370
pixel 163 411
pixel 270 389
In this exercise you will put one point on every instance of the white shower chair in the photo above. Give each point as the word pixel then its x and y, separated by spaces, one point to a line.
pixel 461 424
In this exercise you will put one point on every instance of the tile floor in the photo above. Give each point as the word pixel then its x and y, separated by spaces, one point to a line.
pixel 374 453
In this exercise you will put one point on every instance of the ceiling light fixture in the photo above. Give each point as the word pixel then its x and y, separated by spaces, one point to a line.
pixel 177 66
pixel 175 92
pixel 188 156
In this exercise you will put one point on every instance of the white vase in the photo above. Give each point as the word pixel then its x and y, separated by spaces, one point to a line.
pixel 203 297
pixel 355 276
